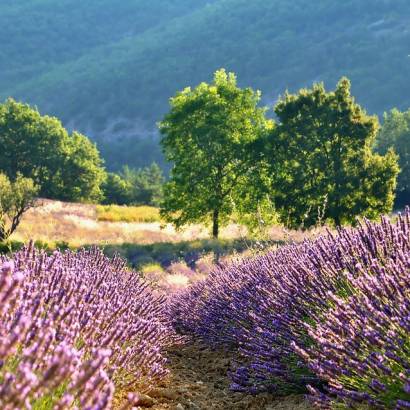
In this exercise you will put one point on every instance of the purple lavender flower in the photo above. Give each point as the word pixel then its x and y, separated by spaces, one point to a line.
pixel 77 328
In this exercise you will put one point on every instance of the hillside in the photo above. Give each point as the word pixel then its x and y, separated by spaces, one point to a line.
pixel 108 68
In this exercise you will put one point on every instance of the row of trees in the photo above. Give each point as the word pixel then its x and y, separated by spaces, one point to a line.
pixel 39 158
pixel 315 162
pixel 67 166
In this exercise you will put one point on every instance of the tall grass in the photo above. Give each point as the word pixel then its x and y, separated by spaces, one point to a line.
pixel 117 213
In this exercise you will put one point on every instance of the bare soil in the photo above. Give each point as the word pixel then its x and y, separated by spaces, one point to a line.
pixel 199 381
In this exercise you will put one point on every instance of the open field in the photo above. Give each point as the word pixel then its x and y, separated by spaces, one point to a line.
pixel 81 224
pixel 168 259
pixel 249 334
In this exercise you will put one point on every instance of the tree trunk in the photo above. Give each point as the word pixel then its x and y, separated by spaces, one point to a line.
pixel 337 218
pixel 3 235
pixel 215 226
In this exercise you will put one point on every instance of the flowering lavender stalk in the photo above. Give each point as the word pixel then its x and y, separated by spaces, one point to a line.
pixel 76 329
pixel 259 307
pixel 362 348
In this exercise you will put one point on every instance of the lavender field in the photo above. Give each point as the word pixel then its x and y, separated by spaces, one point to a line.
pixel 78 331
pixel 328 318
pixel 204 205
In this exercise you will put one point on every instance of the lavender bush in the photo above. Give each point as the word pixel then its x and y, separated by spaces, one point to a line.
pixel 77 330
pixel 261 306
pixel 362 349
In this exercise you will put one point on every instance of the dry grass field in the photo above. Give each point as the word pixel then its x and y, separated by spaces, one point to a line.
pixel 80 224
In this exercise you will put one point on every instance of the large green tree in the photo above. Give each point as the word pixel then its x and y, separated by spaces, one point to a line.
pixel 64 166
pixel 323 164
pixel 395 133
pixel 208 135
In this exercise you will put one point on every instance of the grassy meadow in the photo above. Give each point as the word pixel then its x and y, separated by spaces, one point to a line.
pixel 136 232
pixel 169 259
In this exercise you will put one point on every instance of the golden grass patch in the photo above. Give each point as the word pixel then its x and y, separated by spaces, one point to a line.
pixel 117 213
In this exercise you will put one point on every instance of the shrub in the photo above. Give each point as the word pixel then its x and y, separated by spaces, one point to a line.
pixel 76 329
pixel 260 306
pixel 362 349
pixel 134 186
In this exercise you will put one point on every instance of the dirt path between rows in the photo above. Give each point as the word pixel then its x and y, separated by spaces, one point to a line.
pixel 198 381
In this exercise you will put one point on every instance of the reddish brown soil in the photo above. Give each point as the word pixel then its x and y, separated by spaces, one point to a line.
pixel 198 381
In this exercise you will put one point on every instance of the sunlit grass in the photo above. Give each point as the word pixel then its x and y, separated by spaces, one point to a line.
pixel 117 213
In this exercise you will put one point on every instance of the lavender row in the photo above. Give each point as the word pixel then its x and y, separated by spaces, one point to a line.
pixel 78 331
pixel 274 310
pixel 362 348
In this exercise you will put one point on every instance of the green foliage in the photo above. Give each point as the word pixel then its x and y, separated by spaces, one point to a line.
pixel 83 174
pixel 395 133
pixel 16 197
pixel 135 186
pixel 322 160
pixel 132 55
pixel 209 135
pixel 66 167
pixel 116 190
pixel 146 184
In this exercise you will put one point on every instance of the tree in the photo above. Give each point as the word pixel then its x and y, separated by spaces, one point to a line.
pixel 209 135
pixel 83 173
pixel 117 190
pixel 395 133
pixel 147 185
pixel 64 166
pixel 323 163
pixel 135 186
pixel 15 199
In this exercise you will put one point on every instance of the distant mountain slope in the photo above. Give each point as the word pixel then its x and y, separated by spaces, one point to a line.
pixel 109 67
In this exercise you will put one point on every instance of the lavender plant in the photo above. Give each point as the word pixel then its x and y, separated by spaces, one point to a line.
pixel 362 349
pixel 261 306
pixel 77 329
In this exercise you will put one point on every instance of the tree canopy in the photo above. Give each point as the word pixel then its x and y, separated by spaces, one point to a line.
pixel 64 166
pixel 323 164
pixel 141 186
pixel 395 133
pixel 208 135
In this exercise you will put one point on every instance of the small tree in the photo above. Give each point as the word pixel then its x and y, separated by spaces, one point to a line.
pixel 15 199
pixel 323 164
pixel 208 136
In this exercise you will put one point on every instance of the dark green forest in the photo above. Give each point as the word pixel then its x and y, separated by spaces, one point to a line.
pixel 107 68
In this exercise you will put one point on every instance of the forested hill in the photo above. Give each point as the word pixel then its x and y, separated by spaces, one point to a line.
pixel 109 67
